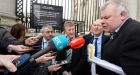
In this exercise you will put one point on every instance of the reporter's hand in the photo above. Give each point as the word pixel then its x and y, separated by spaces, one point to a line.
pixel 54 67
pixel 31 40
pixel 44 58
pixel 6 61
pixel 20 48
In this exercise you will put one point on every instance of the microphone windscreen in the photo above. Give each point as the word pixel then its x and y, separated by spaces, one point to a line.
pixel 60 42
pixel 77 42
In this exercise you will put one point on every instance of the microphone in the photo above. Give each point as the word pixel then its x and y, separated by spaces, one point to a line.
pixel 57 44
pixel 75 43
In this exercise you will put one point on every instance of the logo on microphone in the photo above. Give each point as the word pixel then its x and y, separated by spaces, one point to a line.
pixel 60 42
pixel 57 41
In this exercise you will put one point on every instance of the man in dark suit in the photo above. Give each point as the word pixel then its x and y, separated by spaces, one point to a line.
pixel 123 48
pixel 46 35
pixel 97 38
pixel 46 68
pixel 78 60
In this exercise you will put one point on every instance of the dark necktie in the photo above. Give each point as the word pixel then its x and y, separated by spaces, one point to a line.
pixel 45 44
pixel 96 46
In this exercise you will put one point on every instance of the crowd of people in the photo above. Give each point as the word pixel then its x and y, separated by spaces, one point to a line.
pixel 120 48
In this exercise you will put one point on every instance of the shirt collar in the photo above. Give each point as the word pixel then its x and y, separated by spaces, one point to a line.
pixel 100 36
pixel 44 40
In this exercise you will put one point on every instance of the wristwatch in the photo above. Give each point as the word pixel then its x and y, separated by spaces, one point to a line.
pixel 10 48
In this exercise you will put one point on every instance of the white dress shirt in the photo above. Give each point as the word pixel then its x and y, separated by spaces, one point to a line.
pixel 44 43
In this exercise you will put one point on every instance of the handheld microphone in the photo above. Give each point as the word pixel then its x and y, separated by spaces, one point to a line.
pixel 57 44
pixel 77 42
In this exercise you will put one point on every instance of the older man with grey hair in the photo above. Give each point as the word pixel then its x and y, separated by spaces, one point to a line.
pixel 123 48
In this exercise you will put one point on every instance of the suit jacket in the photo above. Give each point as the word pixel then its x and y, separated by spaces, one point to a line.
pixel 124 49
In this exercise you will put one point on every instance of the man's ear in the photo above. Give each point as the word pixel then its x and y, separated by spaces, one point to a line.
pixel 123 15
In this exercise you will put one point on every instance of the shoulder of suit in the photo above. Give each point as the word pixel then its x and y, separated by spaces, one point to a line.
pixel 87 35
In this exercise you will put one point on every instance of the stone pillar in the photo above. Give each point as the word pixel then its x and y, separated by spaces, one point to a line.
pixel 7 12
pixel 138 10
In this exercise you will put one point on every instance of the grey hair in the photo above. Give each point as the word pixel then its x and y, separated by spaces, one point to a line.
pixel 46 26
pixel 119 4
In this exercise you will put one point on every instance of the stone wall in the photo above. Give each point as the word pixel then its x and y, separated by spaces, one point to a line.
pixel 7 13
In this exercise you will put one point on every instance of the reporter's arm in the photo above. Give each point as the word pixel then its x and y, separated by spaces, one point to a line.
pixel 3 46
pixel 19 48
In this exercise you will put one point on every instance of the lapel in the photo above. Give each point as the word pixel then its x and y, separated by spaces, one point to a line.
pixel 105 38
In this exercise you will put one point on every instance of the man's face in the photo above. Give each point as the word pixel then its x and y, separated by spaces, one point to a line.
pixel 96 29
pixel 111 18
pixel 47 33
pixel 70 31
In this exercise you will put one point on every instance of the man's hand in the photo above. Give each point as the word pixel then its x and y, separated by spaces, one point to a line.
pixel 6 61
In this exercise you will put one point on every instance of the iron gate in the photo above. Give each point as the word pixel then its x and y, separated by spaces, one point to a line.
pixel 83 12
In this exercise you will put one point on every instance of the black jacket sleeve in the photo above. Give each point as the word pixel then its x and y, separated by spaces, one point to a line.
pixel 7 37
pixel 3 46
